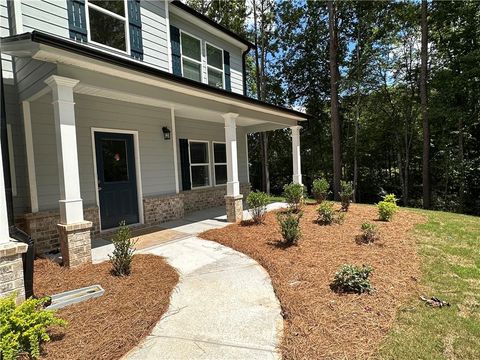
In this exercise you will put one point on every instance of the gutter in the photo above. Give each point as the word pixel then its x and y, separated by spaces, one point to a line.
pixel 114 59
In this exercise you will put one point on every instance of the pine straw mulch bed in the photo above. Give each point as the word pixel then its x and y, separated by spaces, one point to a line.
pixel 109 326
pixel 318 323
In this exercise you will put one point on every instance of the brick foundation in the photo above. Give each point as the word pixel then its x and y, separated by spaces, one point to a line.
pixel 158 209
pixel 11 269
pixel 209 197
pixel 42 227
pixel 75 243
pixel 234 206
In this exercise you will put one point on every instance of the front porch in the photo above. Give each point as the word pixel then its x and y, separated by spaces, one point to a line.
pixel 107 142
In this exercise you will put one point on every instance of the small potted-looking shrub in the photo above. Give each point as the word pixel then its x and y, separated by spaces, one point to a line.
pixel 24 327
pixel 320 190
pixel 289 227
pixel 257 202
pixel 346 193
pixel 369 233
pixel 124 248
pixel 387 207
pixel 352 279
pixel 294 194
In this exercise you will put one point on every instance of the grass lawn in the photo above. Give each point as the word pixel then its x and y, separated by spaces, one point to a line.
pixel 419 253
pixel 449 245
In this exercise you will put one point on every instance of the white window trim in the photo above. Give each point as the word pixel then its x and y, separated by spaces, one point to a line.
pixel 200 164
pixel 217 163
pixel 200 62
pixel 88 5
pixel 222 70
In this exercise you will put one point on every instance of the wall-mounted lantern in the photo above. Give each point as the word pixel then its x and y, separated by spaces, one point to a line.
pixel 166 133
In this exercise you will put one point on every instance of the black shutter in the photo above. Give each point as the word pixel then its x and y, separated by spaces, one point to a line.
pixel 76 20
pixel 226 68
pixel 135 29
pixel 176 55
pixel 185 164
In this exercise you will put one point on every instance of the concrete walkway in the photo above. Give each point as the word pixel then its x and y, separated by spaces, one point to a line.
pixel 223 307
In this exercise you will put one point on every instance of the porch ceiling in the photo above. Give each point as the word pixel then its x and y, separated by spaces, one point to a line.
pixel 125 79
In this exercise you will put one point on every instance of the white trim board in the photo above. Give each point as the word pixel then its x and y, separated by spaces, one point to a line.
pixel 136 149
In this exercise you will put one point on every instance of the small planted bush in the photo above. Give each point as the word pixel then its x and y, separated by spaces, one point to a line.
pixel 326 213
pixel 369 233
pixel 257 201
pixel 352 279
pixel 387 207
pixel 289 227
pixel 122 255
pixel 24 327
pixel 293 194
pixel 346 193
pixel 320 190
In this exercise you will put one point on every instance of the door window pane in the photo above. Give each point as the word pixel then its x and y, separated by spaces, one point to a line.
pixel 107 30
pixel 200 176
pixel 116 7
pixel 115 164
pixel 199 153
pixel 191 47
pixel 191 70
pixel 220 174
pixel 219 153
pixel 215 78
pixel 214 57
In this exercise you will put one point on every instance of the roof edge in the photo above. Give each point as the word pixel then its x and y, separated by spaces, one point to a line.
pixel 119 60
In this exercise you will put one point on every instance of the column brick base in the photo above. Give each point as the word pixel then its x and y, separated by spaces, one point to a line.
pixel 75 243
pixel 234 207
pixel 11 269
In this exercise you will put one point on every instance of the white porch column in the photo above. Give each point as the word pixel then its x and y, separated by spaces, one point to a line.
pixel 74 232
pixel 71 206
pixel 233 199
pixel 233 186
pixel 297 168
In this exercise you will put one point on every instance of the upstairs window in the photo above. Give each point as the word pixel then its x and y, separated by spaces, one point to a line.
pixel 191 57
pixel 108 24
pixel 215 66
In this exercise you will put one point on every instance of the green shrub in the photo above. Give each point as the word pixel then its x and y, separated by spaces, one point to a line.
pixel 257 202
pixel 320 189
pixel 352 279
pixel 326 213
pixel 289 227
pixel 387 208
pixel 369 232
pixel 346 192
pixel 23 327
pixel 293 194
pixel 122 255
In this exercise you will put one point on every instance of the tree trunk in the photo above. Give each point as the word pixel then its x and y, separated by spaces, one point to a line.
pixel 424 108
pixel 357 115
pixel 335 121
pixel 259 80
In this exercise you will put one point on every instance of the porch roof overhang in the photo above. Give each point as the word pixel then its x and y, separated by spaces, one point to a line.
pixel 106 74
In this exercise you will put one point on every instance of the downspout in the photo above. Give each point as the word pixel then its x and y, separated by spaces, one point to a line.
pixel 14 232
pixel 244 70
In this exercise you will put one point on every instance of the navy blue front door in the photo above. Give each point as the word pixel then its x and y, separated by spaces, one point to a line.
pixel 117 181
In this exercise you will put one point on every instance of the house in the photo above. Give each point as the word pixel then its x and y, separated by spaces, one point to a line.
pixel 129 110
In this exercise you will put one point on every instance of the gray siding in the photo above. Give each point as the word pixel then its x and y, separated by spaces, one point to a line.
pixel 5 31
pixel 156 154
pixel 154 33
pixel 21 201
pixel 46 15
pixel 31 75
pixel 235 53
pixel 211 131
